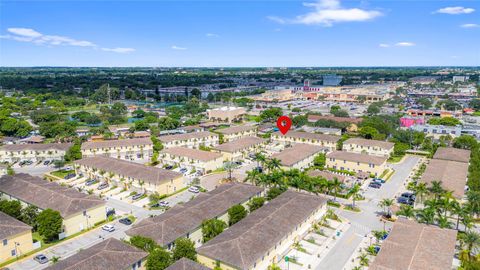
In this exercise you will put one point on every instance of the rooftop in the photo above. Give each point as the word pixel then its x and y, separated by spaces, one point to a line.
pixel 116 143
pixel 184 218
pixel 111 254
pixel 186 136
pixel 309 136
pixel 452 174
pixel 415 246
pixel 235 129
pixel 192 153
pixel 10 226
pixel 326 174
pixel 45 194
pixel 37 147
pixel 240 144
pixel 365 142
pixel 315 118
pixel 247 241
pixel 125 168
pixel 452 154
pixel 354 157
pixel 186 264
pixel 298 152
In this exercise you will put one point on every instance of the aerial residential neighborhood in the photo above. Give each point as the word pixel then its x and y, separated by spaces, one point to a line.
pixel 240 135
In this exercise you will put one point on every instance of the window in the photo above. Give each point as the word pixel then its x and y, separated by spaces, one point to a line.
pixel 139 264
pixel 14 253
pixel 5 242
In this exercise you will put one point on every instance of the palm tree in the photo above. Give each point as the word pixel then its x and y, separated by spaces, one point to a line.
pixel 363 259
pixel 426 215
pixel 354 193
pixel 229 166
pixel 406 211
pixel 436 189
pixel 421 190
pixel 335 185
pixel 273 164
pixel 386 203
pixel 253 176
pixel 274 267
pixel 259 158
pixel 378 235
pixel 470 240
pixel 474 202
pixel 443 222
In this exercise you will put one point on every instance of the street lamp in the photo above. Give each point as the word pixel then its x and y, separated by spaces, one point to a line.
pixel 16 250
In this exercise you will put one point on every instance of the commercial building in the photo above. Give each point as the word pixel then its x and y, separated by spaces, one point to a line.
pixel 331 80
pixel 133 176
pixel 452 154
pixel 191 159
pixel 237 132
pixel 186 264
pixel 299 156
pixel 370 147
pixel 436 131
pixel 353 122
pixel 241 148
pixel 262 237
pixel 190 140
pixel 110 254
pixel 185 220
pixel 323 140
pixel 358 163
pixel 414 246
pixel 15 236
pixel 129 149
pixel 226 114
pixel 78 210
pixel 33 152
pixel 452 175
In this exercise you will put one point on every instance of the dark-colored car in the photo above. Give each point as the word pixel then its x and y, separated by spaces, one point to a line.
pixel 46 162
pixel 69 176
pixel 40 258
pixel 374 185
pixel 125 221
pixel 136 197
pixel 404 200
pixel 102 186
pixel 409 195
pixel 90 182
pixel 169 167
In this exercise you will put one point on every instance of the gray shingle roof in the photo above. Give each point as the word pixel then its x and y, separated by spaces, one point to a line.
pixel 415 246
pixel 240 144
pixel 186 264
pixel 453 154
pixel 251 238
pixel 37 147
pixel 452 174
pixel 365 142
pixel 111 254
pixel 45 194
pixel 235 129
pixel 354 157
pixel 184 218
pixel 192 153
pixel 10 226
pixel 116 143
pixel 310 136
pixel 298 152
pixel 125 168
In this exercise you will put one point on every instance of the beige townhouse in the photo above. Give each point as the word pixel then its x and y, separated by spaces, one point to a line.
pixel 369 147
pixel 15 238
pixel 237 132
pixel 323 140
pixel 241 148
pixel 191 159
pixel 341 160
pixel 190 140
pixel 33 152
pixel 299 156
pixel 128 149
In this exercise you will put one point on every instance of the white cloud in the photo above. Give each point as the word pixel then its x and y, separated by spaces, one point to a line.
pixel 33 36
pixel 212 35
pixel 119 50
pixel 383 45
pixel 455 10
pixel 175 47
pixel 404 44
pixel 327 13
pixel 470 25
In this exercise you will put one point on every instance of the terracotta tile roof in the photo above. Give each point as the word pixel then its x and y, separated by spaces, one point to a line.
pixel 111 254
pixel 452 174
pixel 184 218
pixel 354 157
pixel 247 241
pixel 125 168
pixel 187 136
pixel 186 264
pixel 37 147
pixel 45 194
pixel 116 143
pixel 415 246
pixel 453 154
pixel 365 142
pixel 240 144
pixel 192 153
pixel 10 226
pixel 298 152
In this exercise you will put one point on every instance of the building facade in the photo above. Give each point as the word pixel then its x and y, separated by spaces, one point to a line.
pixel 15 238
pixel 191 159
pixel 292 137
pixel 237 132
pixel 357 163
pixel 33 152
pixel 239 149
pixel 128 149
pixel 369 147
pixel 190 140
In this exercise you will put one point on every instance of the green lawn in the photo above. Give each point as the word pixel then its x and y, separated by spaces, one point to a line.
pixel 61 173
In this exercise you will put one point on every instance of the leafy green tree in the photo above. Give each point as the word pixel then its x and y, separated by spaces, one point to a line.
pixel 138 113
pixel 184 248
pixel 256 203
pixel 236 213
pixel 212 228
pixel 12 208
pixel 445 121
pixel 144 243
pixel 167 123
pixel 74 152
pixel 369 132
pixel 341 113
pixel 271 114
pixel 319 161
pixel 299 120
pixel 101 94
pixel 196 93
pixel 29 215
pixel 426 103
pixel 159 259
pixel 465 142
pixel 273 192
pixel 49 224
pixel 373 109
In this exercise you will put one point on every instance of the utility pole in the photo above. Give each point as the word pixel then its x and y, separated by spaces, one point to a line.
pixel 109 94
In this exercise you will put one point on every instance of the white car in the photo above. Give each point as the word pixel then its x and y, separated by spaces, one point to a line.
pixel 194 189
pixel 163 203
pixel 108 228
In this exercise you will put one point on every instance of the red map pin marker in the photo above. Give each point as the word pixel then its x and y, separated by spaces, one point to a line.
pixel 284 123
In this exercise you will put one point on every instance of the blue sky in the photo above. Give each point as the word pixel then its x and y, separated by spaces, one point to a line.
pixel 239 33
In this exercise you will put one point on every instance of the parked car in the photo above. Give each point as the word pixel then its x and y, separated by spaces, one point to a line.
pixel 69 176
pixel 108 228
pixel 137 196
pixel 194 189
pixel 125 221
pixel 259 169
pixel 169 167
pixel 90 182
pixel 46 162
pixel 110 212
pixel 408 195
pixel 374 185
pixel 163 204
pixel 40 258
pixel 183 170
pixel 404 200
pixel 102 186
pixel 378 180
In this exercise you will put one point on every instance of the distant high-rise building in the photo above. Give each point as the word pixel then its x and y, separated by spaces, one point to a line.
pixel 332 80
